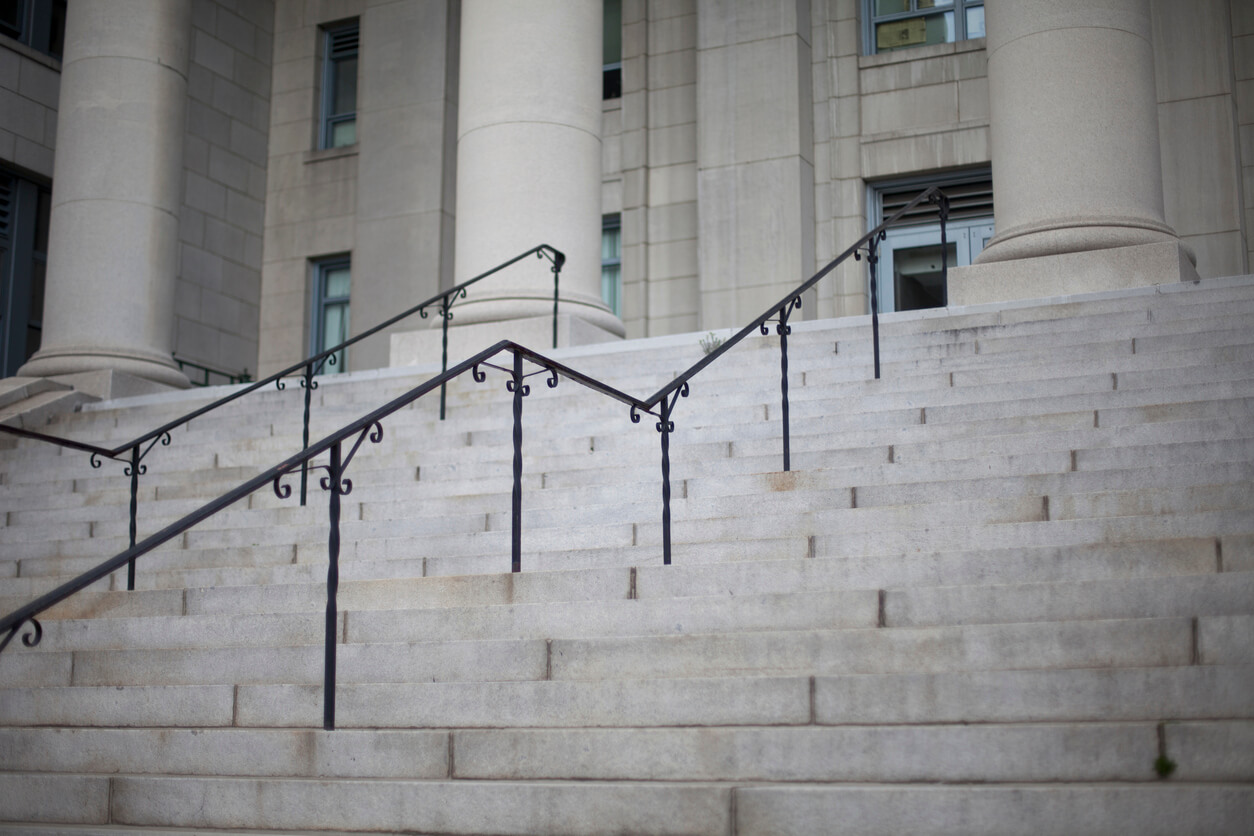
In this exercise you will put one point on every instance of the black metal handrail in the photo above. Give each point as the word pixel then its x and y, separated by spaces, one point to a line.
pixel 137 448
pixel 231 377
pixel 370 427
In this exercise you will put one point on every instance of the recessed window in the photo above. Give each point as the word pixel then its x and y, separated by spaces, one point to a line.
pixel 612 262
pixel 612 47
pixel 25 207
pixel 40 24
pixel 339 86
pixel 331 280
pixel 901 24
pixel 909 275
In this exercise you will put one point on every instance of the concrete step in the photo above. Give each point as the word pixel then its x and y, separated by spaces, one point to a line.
pixel 1063 809
pixel 1015 752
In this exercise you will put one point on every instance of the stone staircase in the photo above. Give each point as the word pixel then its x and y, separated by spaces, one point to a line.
pixel 998 588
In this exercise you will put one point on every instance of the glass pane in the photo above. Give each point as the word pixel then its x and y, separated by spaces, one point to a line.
pixel 891 7
pixel 11 17
pixel 940 28
pixel 43 213
pixel 612 44
pixel 344 88
pixel 975 22
pixel 610 277
pixel 38 271
pixel 917 277
pixel 343 133
pixel 914 31
pixel 335 283
pixel 931 4
pixel 611 244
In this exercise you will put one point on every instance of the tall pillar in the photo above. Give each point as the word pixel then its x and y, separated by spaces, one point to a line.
pixel 529 158
pixel 1076 164
pixel 113 248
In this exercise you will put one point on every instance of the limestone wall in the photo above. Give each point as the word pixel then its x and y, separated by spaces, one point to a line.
pixel 388 199
pixel 1196 51
pixel 218 292
pixel 29 85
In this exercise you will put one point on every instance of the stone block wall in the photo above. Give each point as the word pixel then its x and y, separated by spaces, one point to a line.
pixel 1196 75
pixel 218 292
pixel 658 154
pixel 1242 17
pixel 387 200
pixel 30 83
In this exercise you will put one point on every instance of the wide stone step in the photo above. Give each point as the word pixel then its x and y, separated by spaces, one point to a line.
pixel 1006 811
pixel 491 807
pixel 981 753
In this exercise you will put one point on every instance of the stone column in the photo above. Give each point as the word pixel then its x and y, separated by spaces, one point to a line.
pixel 113 248
pixel 1076 164
pixel 529 159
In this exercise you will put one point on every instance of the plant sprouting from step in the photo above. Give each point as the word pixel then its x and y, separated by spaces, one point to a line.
pixel 1164 766
pixel 710 343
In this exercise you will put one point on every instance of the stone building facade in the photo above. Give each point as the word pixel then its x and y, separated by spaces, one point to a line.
pixel 236 182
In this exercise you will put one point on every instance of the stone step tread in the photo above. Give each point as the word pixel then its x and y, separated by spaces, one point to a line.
pixel 282 592
pixel 213 805
pixel 998 753
pixel 683 648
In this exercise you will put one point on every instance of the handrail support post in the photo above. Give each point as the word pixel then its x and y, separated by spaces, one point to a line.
pixel 519 390
pixel 445 315
pixel 309 385
pixel 335 473
pixel 664 426
pixel 130 566
pixel 872 259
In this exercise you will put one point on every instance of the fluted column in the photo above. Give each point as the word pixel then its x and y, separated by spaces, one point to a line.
pixel 1076 163
pixel 529 157
pixel 113 248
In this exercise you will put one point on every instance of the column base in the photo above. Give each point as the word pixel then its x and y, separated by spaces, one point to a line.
pixel 1064 274
pixel 416 348
pixel 54 363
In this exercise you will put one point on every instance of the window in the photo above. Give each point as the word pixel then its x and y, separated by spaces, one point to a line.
pixel 24 211
pixel 331 279
pixel 612 46
pixel 40 24
pixel 339 86
pixel 612 263
pixel 909 275
pixel 899 24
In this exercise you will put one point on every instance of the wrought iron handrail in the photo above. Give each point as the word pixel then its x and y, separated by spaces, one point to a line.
pixel 370 427
pixel 231 377
pixel 139 447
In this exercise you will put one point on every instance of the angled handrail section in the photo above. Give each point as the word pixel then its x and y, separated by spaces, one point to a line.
pixel 132 452
pixel 369 427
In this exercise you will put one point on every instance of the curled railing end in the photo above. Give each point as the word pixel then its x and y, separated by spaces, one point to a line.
pixel 30 639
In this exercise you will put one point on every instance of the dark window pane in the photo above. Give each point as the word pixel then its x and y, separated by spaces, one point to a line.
pixel 11 18
pixel 43 212
pixel 612 83
pixel 344 93
pixel 56 36
pixel 613 40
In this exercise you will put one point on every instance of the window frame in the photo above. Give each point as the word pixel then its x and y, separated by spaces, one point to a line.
pixel 967 235
pixel 870 20
pixel 320 302
pixel 612 64
pixel 24 219
pixel 612 295
pixel 40 26
pixel 335 50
